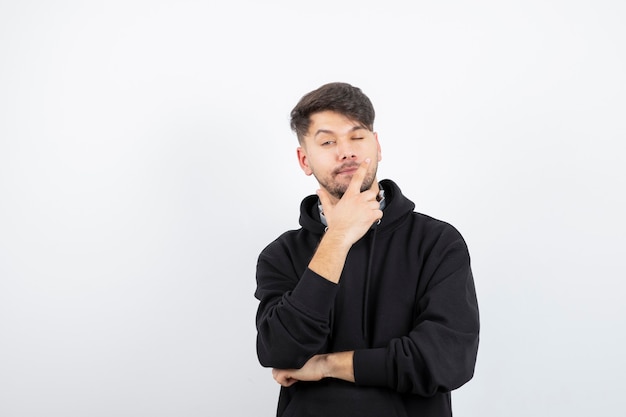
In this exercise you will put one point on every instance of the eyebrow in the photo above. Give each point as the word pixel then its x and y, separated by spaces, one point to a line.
pixel 320 131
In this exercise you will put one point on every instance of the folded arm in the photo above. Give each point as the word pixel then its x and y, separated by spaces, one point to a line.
pixel 439 353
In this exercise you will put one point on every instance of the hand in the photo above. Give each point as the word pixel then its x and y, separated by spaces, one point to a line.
pixel 352 216
pixel 313 370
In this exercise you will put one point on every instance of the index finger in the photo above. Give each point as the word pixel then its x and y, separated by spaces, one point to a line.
pixel 359 176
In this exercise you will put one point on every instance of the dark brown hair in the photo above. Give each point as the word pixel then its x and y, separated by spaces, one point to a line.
pixel 338 97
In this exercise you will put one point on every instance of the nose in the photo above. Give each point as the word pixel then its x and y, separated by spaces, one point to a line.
pixel 345 151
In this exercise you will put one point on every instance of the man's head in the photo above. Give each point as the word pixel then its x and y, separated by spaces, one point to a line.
pixel 340 98
pixel 334 125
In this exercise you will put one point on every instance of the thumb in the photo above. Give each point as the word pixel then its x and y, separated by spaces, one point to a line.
pixel 324 198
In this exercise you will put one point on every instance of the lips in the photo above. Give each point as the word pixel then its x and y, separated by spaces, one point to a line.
pixel 348 169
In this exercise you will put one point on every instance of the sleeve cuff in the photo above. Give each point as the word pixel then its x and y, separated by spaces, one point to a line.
pixel 315 293
pixel 369 367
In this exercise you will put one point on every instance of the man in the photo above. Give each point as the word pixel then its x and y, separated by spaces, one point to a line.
pixel 369 309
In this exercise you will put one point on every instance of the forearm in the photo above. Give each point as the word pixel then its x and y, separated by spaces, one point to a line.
pixel 439 353
pixel 330 256
pixel 293 324
pixel 415 364
pixel 337 365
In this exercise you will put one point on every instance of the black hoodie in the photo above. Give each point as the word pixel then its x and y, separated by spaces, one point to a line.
pixel 405 303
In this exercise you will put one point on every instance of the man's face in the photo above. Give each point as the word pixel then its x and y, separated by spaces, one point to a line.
pixel 334 147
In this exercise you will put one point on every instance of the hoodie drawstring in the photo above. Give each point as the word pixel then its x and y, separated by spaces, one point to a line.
pixel 367 284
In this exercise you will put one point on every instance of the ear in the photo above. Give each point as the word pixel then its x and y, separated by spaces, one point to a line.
pixel 380 154
pixel 304 161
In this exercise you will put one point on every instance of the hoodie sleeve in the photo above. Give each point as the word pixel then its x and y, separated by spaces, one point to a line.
pixel 293 318
pixel 439 353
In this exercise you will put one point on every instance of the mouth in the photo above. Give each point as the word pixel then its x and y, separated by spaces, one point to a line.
pixel 349 169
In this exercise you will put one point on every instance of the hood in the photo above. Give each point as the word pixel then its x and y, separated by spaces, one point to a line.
pixel 397 207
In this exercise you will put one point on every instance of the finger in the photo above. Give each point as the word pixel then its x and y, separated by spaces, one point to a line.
pixel 324 198
pixel 358 177
pixel 371 194
pixel 374 187
pixel 279 376
pixel 289 382
pixel 283 378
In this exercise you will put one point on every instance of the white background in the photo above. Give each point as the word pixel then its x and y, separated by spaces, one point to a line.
pixel 146 160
